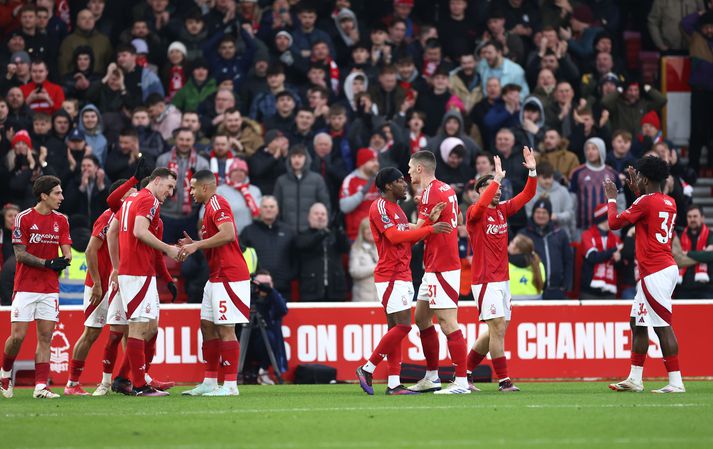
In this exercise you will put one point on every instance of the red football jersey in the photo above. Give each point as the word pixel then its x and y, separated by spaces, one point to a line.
pixel 440 252
pixel 226 262
pixel 42 236
pixel 350 186
pixel 654 216
pixel 135 257
pixel 101 226
pixel 394 260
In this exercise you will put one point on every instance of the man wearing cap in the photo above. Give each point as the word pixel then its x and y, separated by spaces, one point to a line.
pixel 628 105
pixel 85 34
pixel 358 191
pixel 552 245
pixel 18 72
pixel 602 250
pixel 284 117
pixel 198 88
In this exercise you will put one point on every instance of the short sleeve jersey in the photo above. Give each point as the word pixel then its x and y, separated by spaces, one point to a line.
pixel 226 262
pixel 440 251
pixel 42 236
pixel 654 216
pixel 99 230
pixel 394 259
pixel 135 257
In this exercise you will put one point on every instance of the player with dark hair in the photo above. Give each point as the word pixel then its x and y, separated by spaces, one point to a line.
pixel 226 298
pixel 438 294
pixel 654 215
pixel 393 238
pixel 39 233
pixel 487 227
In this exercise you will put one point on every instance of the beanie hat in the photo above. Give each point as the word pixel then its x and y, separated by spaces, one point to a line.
pixel 177 46
pixel 543 203
pixel 449 145
pixel 652 118
pixel 364 155
pixel 239 164
pixel 22 136
pixel 287 35
pixel 600 213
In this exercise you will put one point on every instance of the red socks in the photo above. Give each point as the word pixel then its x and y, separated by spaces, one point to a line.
pixel 458 351
pixel 474 359
pixel 388 344
pixel 150 351
pixel 500 365
pixel 211 354
pixel 429 341
pixel 671 363
pixel 75 369
pixel 638 359
pixel 7 362
pixel 42 373
pixel 125 368
pixel 393 359
pixel 110 350
pixel 230 352
pixel 135 348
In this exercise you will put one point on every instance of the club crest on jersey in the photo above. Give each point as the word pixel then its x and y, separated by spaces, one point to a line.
pixel 55 227
pixel 16 313
pixel 500 216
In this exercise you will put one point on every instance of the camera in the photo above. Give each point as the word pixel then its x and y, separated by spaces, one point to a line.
pixel 257 287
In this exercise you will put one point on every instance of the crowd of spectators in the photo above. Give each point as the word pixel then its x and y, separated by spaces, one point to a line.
pixel 295 106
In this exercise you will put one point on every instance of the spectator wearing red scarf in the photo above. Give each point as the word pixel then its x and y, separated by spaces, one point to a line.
pixel 695 282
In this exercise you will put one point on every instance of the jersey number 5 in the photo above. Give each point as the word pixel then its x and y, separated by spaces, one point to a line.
pixel 665 236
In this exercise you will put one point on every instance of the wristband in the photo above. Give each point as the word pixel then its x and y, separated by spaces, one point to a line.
pixel 533 173
pixel 611 200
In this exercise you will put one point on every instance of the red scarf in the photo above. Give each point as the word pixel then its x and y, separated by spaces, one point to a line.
pixel 244 190
pixel 186 207
pixel 604 277
pixel 701 268
pixel 214 165
pixel 429 68
pixel 417 141
pixel 176 80
pixel 333 73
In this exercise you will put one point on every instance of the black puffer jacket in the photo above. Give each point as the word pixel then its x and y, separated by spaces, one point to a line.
pixel 322 276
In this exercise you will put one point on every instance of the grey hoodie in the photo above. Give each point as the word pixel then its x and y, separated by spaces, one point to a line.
pixel 94 138
pixel 602 153
pixel 471 147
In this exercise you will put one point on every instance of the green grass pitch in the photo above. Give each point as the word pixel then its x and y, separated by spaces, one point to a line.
pixel 543 415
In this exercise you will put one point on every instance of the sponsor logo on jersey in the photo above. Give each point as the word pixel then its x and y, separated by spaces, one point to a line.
pixel 667 202
pixel 44 238
pixel 491 219
pixel 495 229
pixel 444 188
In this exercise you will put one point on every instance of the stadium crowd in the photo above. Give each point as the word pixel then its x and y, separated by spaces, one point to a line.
pixel 295 106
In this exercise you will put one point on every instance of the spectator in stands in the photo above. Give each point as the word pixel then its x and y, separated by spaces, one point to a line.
pixel 269 162
pixel 151 142
pixel 23 166
pixel 457 31
pixel 81 76
pixel 603 72
pixel 560 112
pixel 265 103
pixel 363 258
pixel 77 148
pixel 244 134
pixel 545 86
pixel 551 242
pixel 531 125
pixel 504 113
pixel 221 158
pixel 434 101
pixel 37 43
pixel 19 113
pixel 387 95
pixel 620 157
pixel 273 242
pixel 298 189
pixel 198 87
pixel 339 132
pixel 40 94
pixel 9 212
pixel 179 212
pixel 87 192
pixel 192 121
pixel 699 29
pixel 302 131
pixel 695 282
pixel 91 124
pixel 561 205
pixel 494 64
pixel 85 34
pixel 139 82
pixel 122 159
pixel 553 150
pixel 628 107
pixel 221 52
pixel 602 250
pixel 109 95
pixel 585 127
pixel 17 72
pixel 284 118
pixel 213 112
pixel 305 34
pixel 664 23
pixel 358 192
pixel 174 72
pixel 329 165
pixel 452 126
pixel 165 118
pixel 526 270
pixel 649 135
pixel 320 250
pixel 453 168
pixel 244 198
pixel 586 182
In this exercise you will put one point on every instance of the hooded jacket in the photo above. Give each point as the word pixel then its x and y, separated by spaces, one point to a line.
pixel 526 138
pixel 295 195
pixel 94 138
pixel 552 245
pixel 471 148
pixel 100 44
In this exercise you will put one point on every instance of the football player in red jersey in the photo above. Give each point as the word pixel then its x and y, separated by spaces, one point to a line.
pixel 438 294
pixel 226 298
pixel 487 227
pixel 393 238
pixel 654 215
pixel 39 233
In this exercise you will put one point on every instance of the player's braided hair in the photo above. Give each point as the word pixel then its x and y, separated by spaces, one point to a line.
pixel 653 168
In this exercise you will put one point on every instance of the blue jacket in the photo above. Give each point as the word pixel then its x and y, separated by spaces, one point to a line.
pixel 552 245
pixel 272 309
pixel 235 68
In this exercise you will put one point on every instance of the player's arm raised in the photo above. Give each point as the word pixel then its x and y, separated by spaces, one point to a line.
pixel 478 209
pixel 528 193
pixel 142 232
pixel 616 220
pixel 93 268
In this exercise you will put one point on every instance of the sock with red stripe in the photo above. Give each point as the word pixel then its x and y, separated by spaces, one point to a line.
pixel 458 351
pixel 42 374
pixel 500 365
pixel 674 372
pixel 637 366
pixel 75 371
pixel 474 359
pixel 430 344
pixel 211 354
pixel 387 344
pixel 110 350
pixel 7 363
pixel 230 353
pixel 135 348
pixel 150 351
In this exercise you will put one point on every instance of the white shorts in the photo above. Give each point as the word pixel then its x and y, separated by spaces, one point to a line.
pixel 31 306
pixel 95 316
pixel 494 300
pixel 116 316
pixel 139 297
pixel 652 303
pixel 440 289
pixel 226 302
pixel 395 296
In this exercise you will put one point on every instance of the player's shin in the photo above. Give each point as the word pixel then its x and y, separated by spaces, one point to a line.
pixel 457 348
pixel 7 363
pixel 211 354
pixel 430 344
pixel 387 345
pixel 474 359
pixel 110 350
pixel 137 361
pixel 637 366
pixel 230 353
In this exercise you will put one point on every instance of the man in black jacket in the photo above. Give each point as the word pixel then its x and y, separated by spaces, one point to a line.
pixel 320 253
pixel 268 162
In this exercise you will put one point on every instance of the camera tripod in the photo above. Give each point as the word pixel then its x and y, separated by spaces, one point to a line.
pixel 256 319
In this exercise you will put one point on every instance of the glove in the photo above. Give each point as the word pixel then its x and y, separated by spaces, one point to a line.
pixel 142 169
pixel 57 264
pixel 173 289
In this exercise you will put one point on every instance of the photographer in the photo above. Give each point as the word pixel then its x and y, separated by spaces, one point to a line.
pixel 271 306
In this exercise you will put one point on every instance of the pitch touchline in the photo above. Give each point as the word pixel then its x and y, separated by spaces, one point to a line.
pixel 351 409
